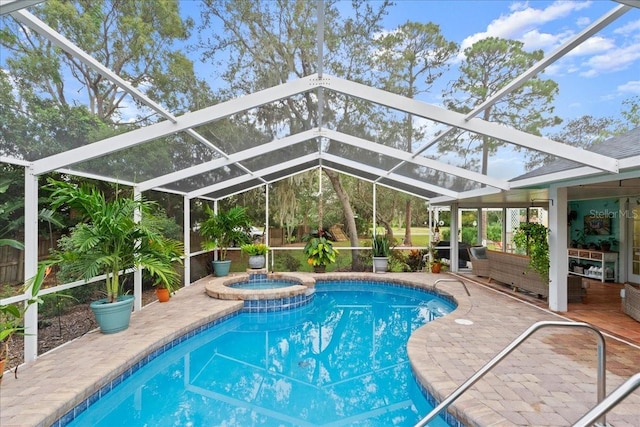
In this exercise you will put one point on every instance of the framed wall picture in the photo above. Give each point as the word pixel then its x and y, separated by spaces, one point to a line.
pixel 597 225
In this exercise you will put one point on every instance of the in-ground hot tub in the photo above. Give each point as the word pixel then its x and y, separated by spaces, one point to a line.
pixel 262 291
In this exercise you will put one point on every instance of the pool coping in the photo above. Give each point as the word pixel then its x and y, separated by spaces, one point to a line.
pixel 443 354
pixel 221 287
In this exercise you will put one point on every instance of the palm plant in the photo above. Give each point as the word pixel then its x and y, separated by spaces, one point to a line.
pixel 108 239
pixel 223 229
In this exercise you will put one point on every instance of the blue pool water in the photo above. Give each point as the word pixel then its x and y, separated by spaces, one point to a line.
pixel 340 360
pixel 263 284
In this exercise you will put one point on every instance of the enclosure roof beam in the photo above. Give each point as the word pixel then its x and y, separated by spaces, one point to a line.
pixel 465 194
pixel 10 6
pixel 184 122
pixel 232 159
pixel 574 177
pixel 561 51
pixel 420 160
pixel 476 125
pixel 632 3
pixel 65 44
pixel 538 67
pixel 538 181
pixel 56 38
pixel 262 172
pixel 396 177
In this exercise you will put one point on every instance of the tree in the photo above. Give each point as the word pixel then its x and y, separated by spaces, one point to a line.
pixel 62 103
pixel 632 114
pixel 271 41
pixel 488 66
pixel 581 132
pixel 411 58
pixel 134 39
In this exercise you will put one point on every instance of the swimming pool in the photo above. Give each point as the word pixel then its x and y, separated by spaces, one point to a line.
pixel 340 360
pixel 263 284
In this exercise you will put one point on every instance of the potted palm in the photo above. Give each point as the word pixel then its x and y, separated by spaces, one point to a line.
pixel 257 253
pixel 172 253
pixel 109 240
pixel 320 252
pixel 222 230
pixel 380 250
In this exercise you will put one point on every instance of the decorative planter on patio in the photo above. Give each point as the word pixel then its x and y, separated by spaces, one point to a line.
pixel 256 261
pixel 113 316
pixel 163 294
pixel 380 264
pixel 221 268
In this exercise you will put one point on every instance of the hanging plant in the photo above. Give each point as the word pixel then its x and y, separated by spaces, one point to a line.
pixel 533 239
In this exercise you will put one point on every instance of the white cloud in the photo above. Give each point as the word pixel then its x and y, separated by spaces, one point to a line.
pixel 632 87
pixel 613 60
pixel 593 45
pixel 630 28
pixel 523 20
pixel 583 21
pixel 536 40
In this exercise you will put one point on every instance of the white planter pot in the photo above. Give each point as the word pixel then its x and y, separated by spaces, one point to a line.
pixel 256 261
pixel 380 264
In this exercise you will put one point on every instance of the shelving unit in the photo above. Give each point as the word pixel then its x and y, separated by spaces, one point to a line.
pixel 595 258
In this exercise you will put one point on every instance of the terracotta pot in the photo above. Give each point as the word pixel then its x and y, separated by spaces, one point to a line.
pixel 435 268
pixel 3 362
pixel 162 294
pixel 319 268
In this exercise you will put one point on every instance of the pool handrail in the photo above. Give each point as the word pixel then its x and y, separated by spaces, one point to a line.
pixel 616 396
pixel 601 379
pixel 451 280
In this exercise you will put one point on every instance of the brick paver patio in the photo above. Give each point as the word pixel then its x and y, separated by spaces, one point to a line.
pixel 549 381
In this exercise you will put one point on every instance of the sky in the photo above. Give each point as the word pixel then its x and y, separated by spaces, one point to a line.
pixel 608 64
pixel 594 79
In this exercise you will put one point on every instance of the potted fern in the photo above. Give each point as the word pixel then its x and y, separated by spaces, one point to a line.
pixel 257 254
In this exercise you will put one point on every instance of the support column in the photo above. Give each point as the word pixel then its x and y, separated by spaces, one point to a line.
pixel 504 229
pixel 558 266
pixel 375 224
pixel 30 261
pixel 137 272
pixel 480 231
pixel 265 236
pixel 186 238
pixel 453 239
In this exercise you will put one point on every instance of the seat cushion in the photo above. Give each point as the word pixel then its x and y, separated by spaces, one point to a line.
pixel 478 252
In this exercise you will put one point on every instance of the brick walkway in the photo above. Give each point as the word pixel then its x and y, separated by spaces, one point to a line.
pixel 549 381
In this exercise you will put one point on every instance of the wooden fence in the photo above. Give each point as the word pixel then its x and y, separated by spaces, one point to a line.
pixel 12 260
